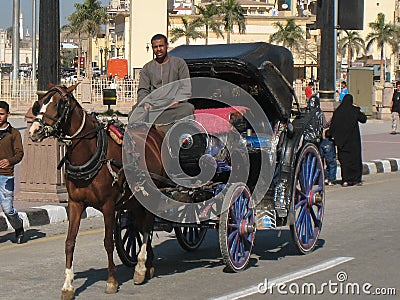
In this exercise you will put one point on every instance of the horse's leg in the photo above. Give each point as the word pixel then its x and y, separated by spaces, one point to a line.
pixel 109 216
pixel 140 269
pixel 150 259
pixel 75 212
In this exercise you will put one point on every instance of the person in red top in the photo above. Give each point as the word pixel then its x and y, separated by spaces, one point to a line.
pixel 309 90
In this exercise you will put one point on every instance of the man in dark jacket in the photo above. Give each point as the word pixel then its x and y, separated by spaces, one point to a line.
pixel 395 108
pixel 11 153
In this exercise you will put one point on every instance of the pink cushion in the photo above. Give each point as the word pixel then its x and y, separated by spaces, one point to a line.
pixel 216 120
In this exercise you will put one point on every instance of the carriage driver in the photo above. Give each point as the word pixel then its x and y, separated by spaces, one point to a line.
pixel 170 99
pixel 11 153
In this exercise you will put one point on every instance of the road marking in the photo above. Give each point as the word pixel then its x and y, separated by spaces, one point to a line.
pixel 287 278
pixel 381 142
pixel 48 239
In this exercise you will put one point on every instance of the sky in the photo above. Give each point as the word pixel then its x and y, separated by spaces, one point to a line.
pixel 66 8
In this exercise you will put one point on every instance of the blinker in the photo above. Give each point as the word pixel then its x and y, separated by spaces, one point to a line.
pixel 35 108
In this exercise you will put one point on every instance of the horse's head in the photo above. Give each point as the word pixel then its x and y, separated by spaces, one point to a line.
pixel 51 112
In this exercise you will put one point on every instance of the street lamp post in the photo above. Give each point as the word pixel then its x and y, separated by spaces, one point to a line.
pixel 101 61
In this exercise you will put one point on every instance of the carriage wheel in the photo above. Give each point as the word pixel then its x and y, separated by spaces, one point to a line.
pixel 127 238
pixel 190 238
pixel 237 227
pixel 308 199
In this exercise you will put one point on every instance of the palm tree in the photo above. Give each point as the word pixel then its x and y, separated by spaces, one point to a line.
pixel 382 34
pixel 209 20
pixel 289 35
pixel 189 31
pixel 89 16
pixel 74 27
pixel 353 43
pixel 233 14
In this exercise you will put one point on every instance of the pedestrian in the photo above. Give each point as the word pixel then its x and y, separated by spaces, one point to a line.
pixel 11 153
pixel 309 90
pixel 395 108
pixel 346 133
pixel 327 149
pixel 169 102
pixel 343 90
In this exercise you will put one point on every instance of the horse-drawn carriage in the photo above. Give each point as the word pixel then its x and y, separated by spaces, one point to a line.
pixel 263 155
pixel 246 160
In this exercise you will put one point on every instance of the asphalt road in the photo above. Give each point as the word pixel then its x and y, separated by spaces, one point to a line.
pixel 360 238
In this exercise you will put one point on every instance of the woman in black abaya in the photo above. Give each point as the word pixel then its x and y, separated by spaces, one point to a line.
pixel 344 129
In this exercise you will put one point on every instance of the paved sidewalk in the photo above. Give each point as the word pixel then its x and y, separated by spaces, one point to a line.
pixel 381 154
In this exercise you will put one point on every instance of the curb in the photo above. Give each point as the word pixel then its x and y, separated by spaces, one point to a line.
pixel 50 214
pixel 376 166
pixel 43 215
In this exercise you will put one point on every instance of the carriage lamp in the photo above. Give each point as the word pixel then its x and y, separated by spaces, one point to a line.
pixel 186 141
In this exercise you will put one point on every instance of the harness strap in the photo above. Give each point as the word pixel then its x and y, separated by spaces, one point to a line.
pixel 92 167
pixel 80 127
pixel 113 174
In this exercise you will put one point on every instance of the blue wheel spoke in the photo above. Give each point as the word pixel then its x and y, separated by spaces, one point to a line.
pixel 234 246
pixel 310 232
pixel 300 203
pixel 241 247
pixel 244 207
pixel 316 220
pixel 300 215
pixel 301 193
pixel 236 208
pixel 233 226
pixel 316 176
pixel 231 236
pixel 311 172
pixel 248 214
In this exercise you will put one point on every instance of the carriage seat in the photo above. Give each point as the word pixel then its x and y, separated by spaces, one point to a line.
pixel 219 120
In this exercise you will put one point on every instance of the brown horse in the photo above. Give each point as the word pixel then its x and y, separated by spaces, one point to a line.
pixel 93 163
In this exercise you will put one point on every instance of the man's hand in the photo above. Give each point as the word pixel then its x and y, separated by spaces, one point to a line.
pixel 147 106
pixel 4 163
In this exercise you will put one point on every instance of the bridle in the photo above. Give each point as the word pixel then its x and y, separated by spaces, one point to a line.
pixel 64 109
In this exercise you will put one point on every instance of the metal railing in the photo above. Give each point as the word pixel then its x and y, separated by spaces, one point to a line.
pixel 21 94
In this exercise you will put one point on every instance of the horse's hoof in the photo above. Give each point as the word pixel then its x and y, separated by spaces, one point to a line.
pixel 67 295
pixel 138 278
pixel 151 272
pixel 111 288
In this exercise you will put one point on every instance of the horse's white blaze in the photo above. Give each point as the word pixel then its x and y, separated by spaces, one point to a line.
pixel 44 107
pixel 35 125
pixel 69 278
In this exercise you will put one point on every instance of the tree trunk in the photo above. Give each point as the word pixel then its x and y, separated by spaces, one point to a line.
pixel 206 35
pixel 349 56
pixel 89 58
pixel 382 77
pixel 78 69
pixel 187 40
pixel 228 37
pixel 49 44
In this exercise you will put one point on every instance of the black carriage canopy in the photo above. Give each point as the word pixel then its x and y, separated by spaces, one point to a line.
pixel 264 70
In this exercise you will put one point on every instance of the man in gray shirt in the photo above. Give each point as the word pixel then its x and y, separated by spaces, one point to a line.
pixel 164 85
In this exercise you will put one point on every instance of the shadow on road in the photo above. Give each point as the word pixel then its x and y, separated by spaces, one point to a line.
pixel 30 235
pixel 171 259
